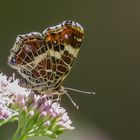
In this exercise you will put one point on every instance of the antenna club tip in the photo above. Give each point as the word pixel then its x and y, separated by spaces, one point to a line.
pixel 77 107
pixel 93 92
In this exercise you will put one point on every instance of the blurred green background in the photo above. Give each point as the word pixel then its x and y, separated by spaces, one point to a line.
pixel 108 63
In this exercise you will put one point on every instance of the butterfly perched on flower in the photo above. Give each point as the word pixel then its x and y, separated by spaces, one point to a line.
pixel 45 59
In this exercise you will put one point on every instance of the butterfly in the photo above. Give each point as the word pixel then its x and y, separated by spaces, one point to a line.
pixel 45 59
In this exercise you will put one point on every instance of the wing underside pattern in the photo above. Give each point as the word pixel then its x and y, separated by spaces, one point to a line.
pixel 45 59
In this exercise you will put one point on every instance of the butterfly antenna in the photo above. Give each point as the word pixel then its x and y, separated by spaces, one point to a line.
pixel 80 91
pixel 73 102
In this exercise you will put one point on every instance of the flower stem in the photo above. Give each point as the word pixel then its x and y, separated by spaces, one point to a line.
pixel 18 135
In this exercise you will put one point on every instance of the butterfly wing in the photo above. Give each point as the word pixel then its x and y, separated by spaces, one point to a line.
pixel 46 59
pixel 64 41
pixel 28 52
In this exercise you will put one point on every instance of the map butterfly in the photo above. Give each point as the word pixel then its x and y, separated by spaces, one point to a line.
pixel 45 60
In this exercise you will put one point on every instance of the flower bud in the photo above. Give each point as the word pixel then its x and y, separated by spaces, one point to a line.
pixel 47 123
pixel 31 113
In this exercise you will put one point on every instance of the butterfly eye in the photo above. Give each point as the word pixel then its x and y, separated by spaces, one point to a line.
pixel 13 60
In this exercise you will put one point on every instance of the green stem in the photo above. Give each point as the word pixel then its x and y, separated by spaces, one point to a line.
pixel 20 133
pixel 15 137
pixel 22 137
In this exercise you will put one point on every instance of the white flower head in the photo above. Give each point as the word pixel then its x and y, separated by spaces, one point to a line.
pixel 9 87
pixel 9 92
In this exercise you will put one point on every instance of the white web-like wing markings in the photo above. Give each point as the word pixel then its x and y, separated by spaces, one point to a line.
pixel 45 59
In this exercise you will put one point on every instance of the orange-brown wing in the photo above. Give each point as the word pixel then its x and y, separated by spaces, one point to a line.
pixel 64 41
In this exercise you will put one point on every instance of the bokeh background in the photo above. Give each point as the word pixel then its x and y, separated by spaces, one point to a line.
pixel 108 63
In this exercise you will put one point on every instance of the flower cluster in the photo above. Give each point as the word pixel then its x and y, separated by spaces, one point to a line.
pixel 6 114
pixel 7 88
pixel 43 116
pixel 10 89
pixel 37 115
